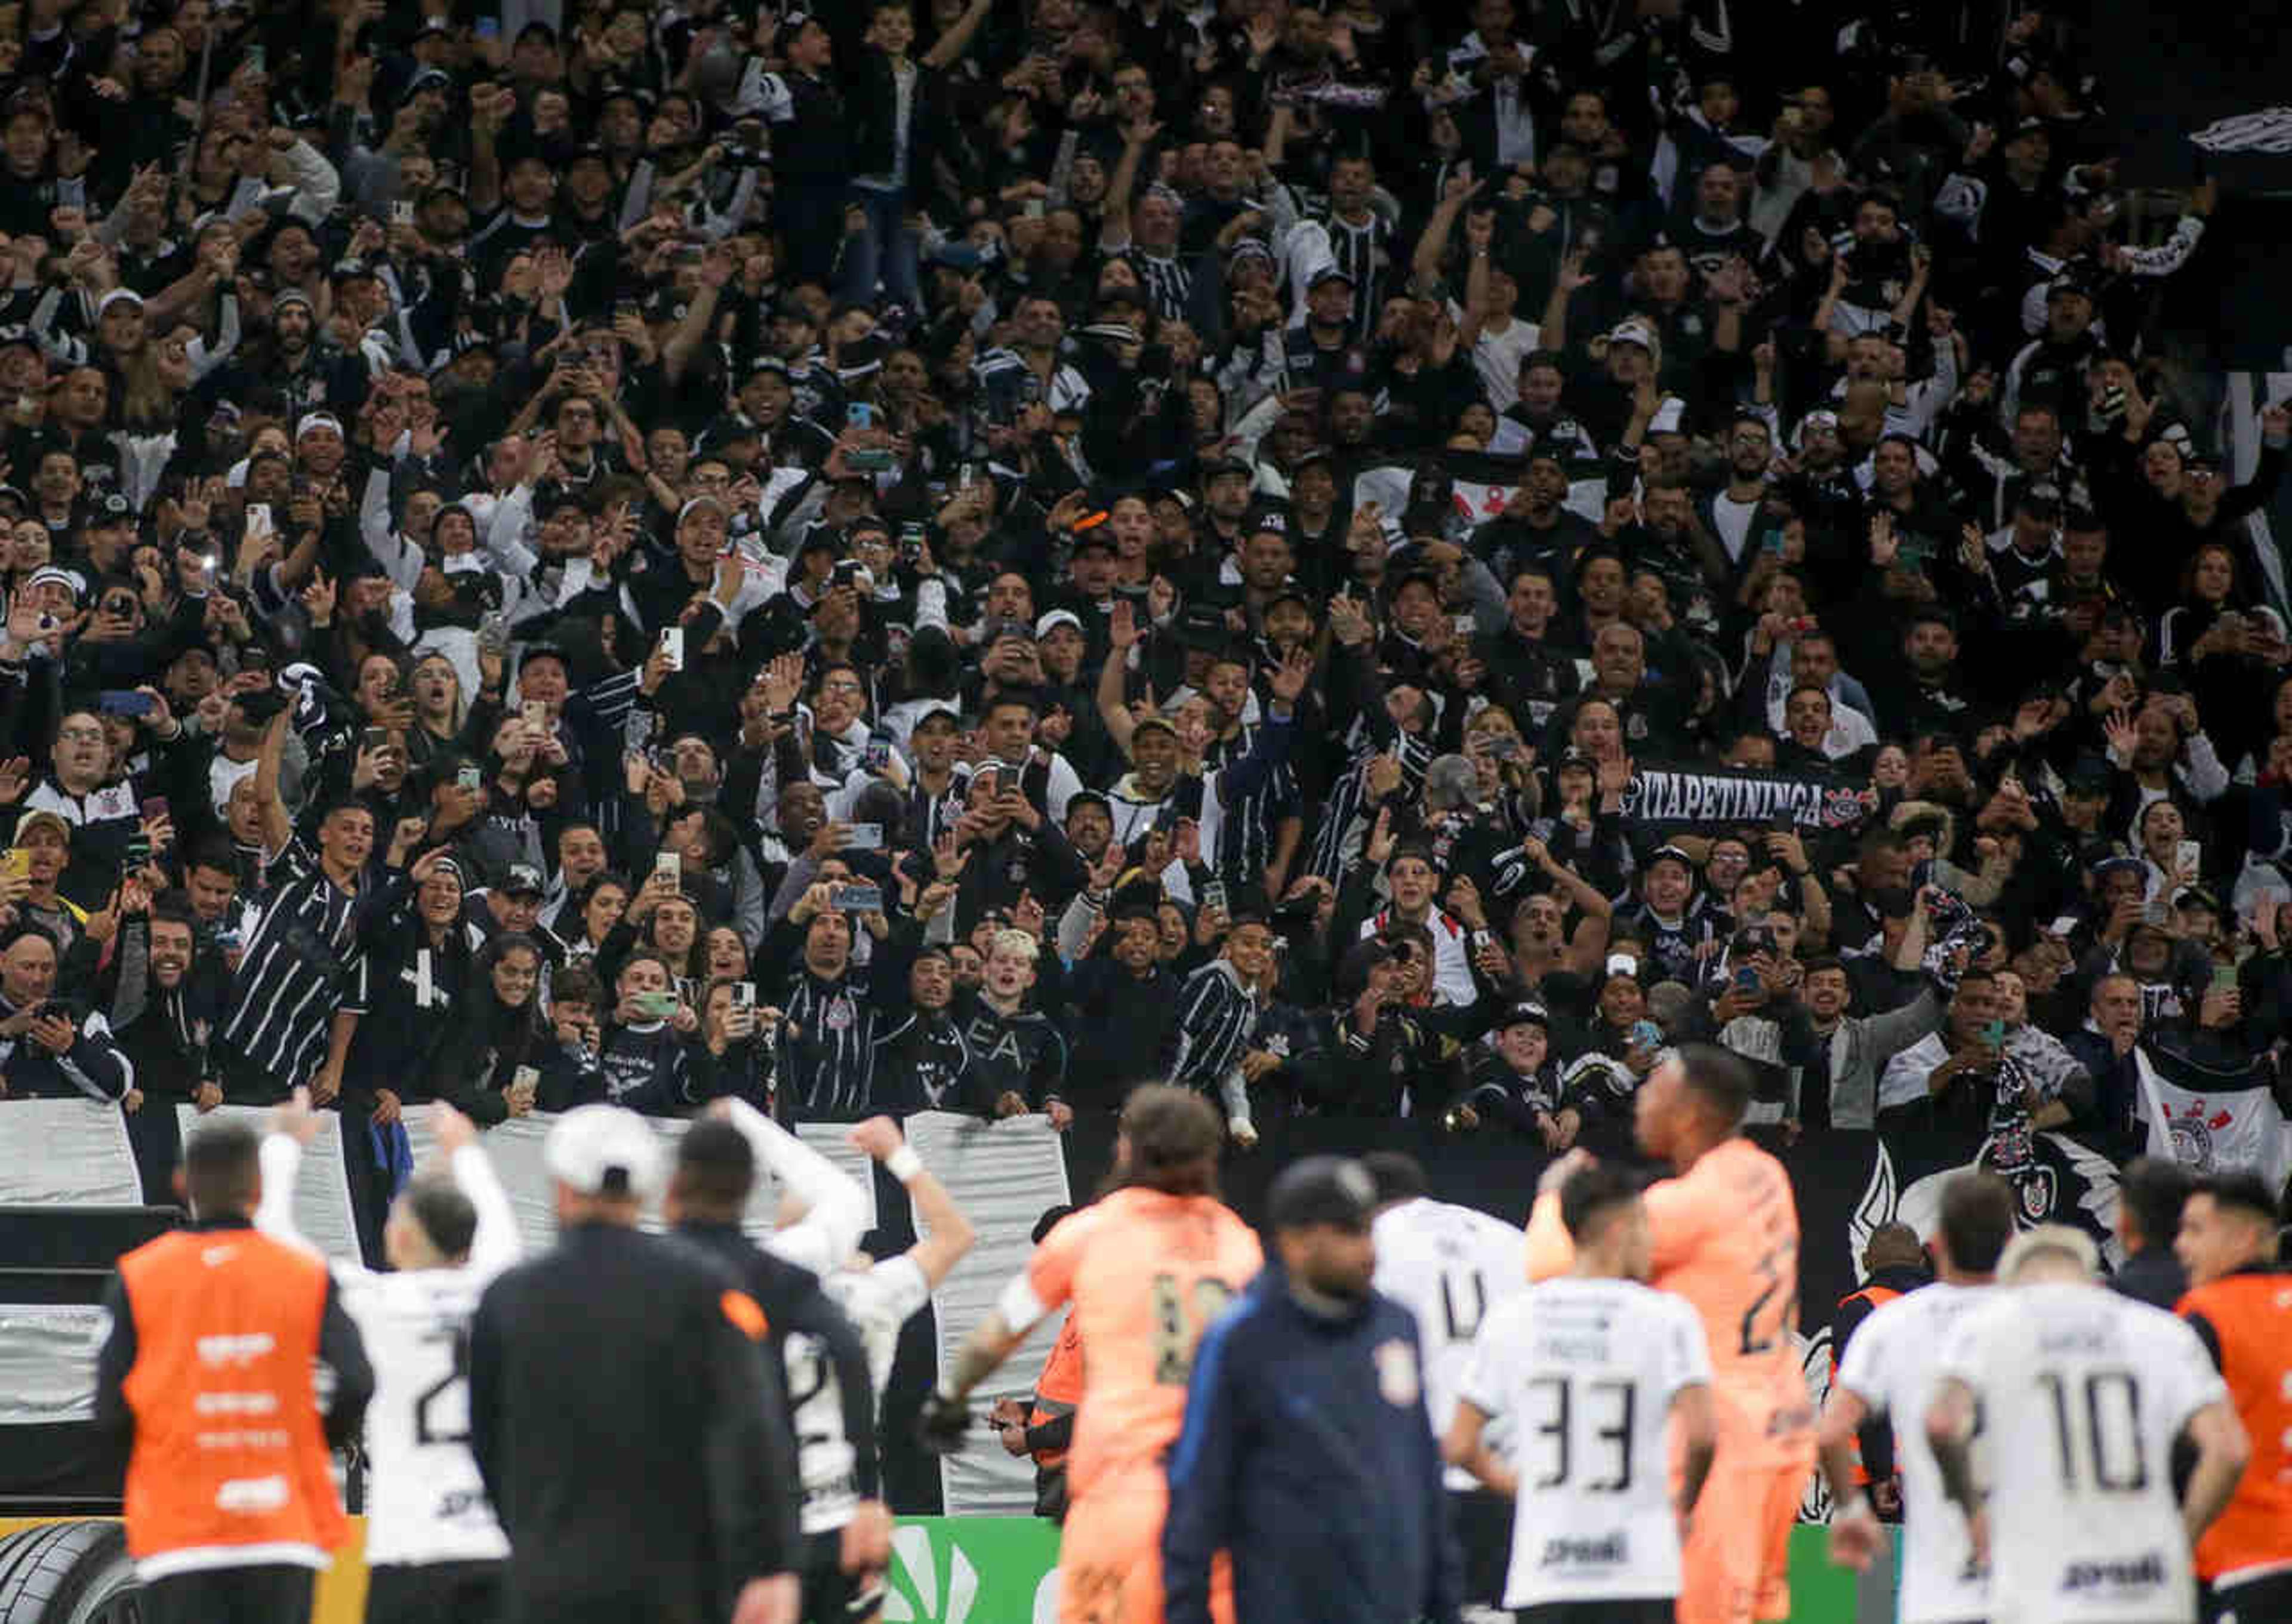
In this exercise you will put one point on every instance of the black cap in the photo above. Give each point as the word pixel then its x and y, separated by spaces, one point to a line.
pixel 523 879
pixel 1526 1013
pixel 2090 772
pixel 1333 1190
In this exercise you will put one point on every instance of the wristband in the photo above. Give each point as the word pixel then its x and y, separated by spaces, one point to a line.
pixel 903 1163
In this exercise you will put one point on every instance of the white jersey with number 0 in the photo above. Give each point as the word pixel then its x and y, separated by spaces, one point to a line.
pixel 425 1500
pixel 1449 1265
pixel 1586 1370
pixel 1891 1365
pixel 2083 1393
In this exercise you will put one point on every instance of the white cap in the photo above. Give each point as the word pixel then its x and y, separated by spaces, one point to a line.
pixel 1056 617
pixel 603 1149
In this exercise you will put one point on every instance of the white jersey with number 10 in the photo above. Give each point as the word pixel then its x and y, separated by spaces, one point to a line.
pixel 2083 1393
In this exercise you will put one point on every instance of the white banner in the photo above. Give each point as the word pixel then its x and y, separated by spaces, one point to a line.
pixel 322 1186
pixel 515 1145
pixel 66 1153
pixel 1003 1175
pixel 47 1361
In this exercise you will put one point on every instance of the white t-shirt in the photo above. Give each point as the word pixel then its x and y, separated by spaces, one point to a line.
pixel 1587 1370
pixel 1449 1266
pixel 1891 1366
pixel 2083 1393
pixel 878 1301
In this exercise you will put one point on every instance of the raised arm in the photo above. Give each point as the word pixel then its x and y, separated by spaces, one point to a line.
pixel 947 1233
pixel 824 1212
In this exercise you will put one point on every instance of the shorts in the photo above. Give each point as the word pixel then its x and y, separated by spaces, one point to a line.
pixel 1736 1565
pixel 1110 1556
pixel 1642 1610
pixel 268 1594
pixel 2266 1600
pixel 830 1594
pixel 434 1593
pixel 1483 1521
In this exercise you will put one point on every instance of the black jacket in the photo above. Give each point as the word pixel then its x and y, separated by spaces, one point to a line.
pixel 816 1341
pixel 655 1472
pixel 2152 1275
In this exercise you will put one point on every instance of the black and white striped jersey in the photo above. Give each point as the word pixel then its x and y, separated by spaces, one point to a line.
pixel 303 962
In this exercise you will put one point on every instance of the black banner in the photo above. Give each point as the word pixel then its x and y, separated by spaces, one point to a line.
pixel 2197 90
pixel 1720 797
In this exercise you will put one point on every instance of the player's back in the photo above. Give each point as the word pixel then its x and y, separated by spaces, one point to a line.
pixel 1894 1363
pixel 2082 1394
pixel 2247 1320
pixel 879 1300
pixel 1148 1272
pixel 425 1500
pixel 1586 1369
pixel 1449 1265
pixel 1726 1239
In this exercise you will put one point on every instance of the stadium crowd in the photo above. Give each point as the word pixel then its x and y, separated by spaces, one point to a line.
pixel 1366 560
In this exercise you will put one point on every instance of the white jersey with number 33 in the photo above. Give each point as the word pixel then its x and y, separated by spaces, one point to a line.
pixel 1586 1370
pixel 1449 1265
pixel 1891 1365
pixel 2083 1393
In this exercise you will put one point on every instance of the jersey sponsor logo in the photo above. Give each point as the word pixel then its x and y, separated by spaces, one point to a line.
pixel 1396 1373
pixel 1614 1551
pixel 235 1350
pixel 2145 1572
pixel 235 1404
pixel 251 1496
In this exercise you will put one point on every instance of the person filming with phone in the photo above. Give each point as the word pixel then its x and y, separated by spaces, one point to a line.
pixel 50 1048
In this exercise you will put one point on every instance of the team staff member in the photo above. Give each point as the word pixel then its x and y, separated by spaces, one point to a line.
pixel 847 1529
pixel 208 1368
pixel 2240 1303
pixel 1307 1450
pixel 1726 1239
pixel 631 1432
pixel 1042 1426
pixel 1893 1262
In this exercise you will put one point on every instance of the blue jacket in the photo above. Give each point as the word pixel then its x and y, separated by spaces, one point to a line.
pixel 1308 1454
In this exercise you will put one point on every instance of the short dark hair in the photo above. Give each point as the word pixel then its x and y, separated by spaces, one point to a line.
pixel 2241 1190
pixel 1719 1078
pixel 169 907
pixel 1977 1220
pixel 576 984
pixel 2153 1189
pixel 448 1216
pixel 715 1169
pixel 1398 1175
pixel 1591 1193
pixel 222 1169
